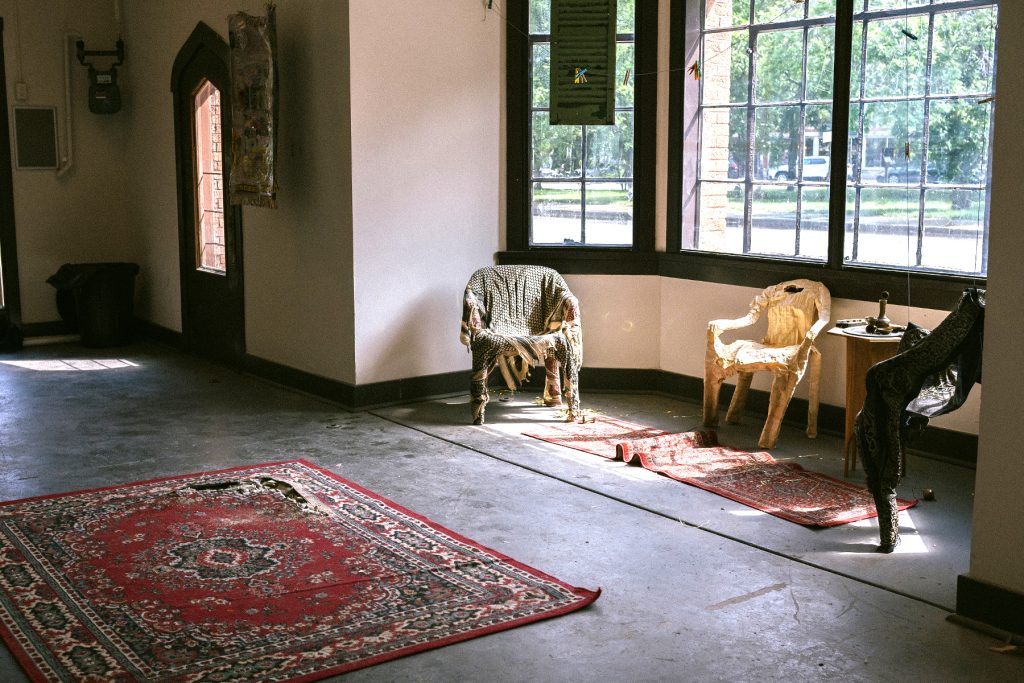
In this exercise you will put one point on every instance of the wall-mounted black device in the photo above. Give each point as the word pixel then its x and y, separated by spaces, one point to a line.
pixel 104 95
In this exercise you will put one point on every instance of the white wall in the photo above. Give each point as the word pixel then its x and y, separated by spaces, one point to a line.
pixel 80 216
pixel 298 257
pixel 621 319
pixel 997 547
pixel 426 138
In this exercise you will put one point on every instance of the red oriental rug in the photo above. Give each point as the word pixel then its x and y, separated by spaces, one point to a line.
pixel 756 479
pixel 276 572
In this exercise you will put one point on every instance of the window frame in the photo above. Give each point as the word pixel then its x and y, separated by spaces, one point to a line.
pixel 847 281
pixel 844 280
pixel 518 152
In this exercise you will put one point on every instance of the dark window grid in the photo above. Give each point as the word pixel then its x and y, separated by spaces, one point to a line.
pixel 864 18
pixel 583 179
pixel 864 14
pixel 937 290
pixel 751 106
pixel 919 235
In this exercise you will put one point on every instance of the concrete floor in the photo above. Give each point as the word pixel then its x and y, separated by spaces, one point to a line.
pixel 695 587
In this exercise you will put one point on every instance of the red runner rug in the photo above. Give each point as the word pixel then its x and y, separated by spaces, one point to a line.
pixel 597 437
pixel 756 479
pixel 276 572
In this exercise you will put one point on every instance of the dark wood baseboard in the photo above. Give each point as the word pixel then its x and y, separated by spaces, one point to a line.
pixel 160 334
pixel 990 604
pixel 53 328
pixel 831 419
pixel 362 396
pixel 957 447
pixel 300 380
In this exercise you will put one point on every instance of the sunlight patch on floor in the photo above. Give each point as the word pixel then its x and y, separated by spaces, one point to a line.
pixel 911 542
pixel 534 415
pixel 72 365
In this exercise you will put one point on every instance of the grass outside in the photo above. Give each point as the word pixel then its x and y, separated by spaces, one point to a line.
pixel 877 202
pixel 881 202
pixel 572 197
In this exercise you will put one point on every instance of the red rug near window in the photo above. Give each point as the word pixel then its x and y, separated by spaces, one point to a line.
pixel 756 479
pixel 597 437
pixel 277 572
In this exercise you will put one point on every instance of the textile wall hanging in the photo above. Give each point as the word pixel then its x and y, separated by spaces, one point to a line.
pixel 253 109
pixel 582 62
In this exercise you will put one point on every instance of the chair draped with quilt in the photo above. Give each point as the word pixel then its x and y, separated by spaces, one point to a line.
pixel 931 374
pixel 797 311
pixel 515 317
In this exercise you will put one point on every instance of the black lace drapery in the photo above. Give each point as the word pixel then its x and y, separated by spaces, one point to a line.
pixel 931 374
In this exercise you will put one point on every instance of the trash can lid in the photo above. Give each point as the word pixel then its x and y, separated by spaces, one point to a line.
pixel 71 275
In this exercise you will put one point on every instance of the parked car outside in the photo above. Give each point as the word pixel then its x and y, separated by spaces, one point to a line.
pixel 816 168
pixel 905 174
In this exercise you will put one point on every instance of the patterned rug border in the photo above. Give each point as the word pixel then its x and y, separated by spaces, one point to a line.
pixel 603 419
pixel 585 596
pixel 625 452
pixel 783 514
pixel 157 480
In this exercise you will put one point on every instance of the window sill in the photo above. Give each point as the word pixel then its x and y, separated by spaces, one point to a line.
pixel 927 290
pixel 585 260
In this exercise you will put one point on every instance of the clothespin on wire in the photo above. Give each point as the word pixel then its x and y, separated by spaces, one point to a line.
pixel 694 70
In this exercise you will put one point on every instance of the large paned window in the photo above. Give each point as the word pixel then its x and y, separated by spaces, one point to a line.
pixel 909 166
pixel 580 176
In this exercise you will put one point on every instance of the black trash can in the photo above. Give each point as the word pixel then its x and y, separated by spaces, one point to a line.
pixel 98 299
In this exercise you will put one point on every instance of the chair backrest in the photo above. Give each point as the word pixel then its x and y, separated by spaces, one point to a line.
pixel 792 308
pixel 519 300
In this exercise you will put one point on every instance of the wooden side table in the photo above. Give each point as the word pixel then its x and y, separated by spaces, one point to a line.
pixel 862 351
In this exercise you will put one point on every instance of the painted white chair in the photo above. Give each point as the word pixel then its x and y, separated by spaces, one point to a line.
pixel 797 311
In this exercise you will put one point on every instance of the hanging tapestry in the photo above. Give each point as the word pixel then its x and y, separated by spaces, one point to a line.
pixel 583 62
pixel 253 109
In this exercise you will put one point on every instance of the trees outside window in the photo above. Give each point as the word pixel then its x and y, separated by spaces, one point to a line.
pixel 581 177
pixel 914 161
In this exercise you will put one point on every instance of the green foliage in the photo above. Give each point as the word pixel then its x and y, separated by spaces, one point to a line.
pixel 626 10
pixel 894 65
pixel 558 150
pixel 964 63
pixel 778 57
pixel 540 16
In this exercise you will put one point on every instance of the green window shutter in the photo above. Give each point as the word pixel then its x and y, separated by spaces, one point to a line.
pixel 582 62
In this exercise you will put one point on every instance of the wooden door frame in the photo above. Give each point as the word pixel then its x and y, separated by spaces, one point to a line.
pixel 8 236
pixel 207 45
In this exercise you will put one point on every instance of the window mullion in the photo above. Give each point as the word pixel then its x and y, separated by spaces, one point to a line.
pixel 841 133
pixel 748 186
pixel 802 151
pixel 583 186
pixel 987 179
pixel 925 138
